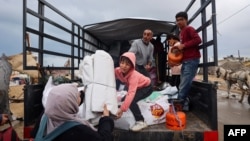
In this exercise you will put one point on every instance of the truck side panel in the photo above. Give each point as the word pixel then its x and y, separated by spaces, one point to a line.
pixel 203 99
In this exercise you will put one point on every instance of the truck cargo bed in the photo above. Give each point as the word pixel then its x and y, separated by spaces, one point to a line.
pixel 193 132
pixel 200 118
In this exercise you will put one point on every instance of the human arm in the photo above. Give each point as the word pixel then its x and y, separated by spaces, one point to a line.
pixel 194 38
pixel 84 132
pixel 190 38
pixel 106 125
pixel 148 67
pixel 150 59
pixel 119 113
pixel 105 128
pixel 105 111
pixel 149 63
pixel 132 87
pixel 134 48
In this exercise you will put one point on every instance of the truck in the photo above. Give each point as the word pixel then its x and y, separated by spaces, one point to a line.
pixel 83 40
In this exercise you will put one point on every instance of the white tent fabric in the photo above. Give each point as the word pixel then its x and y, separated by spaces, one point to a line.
pixel 99 80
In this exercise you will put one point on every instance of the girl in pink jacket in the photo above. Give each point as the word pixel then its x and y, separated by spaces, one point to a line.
pixel 139 87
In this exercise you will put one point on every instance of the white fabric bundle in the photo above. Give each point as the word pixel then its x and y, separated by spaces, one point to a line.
pixel 99 78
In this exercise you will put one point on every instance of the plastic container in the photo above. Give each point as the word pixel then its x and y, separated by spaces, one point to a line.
pixel 175 120
pixel 174 57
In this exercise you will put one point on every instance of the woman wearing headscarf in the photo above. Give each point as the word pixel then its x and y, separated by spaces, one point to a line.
pixel 62 106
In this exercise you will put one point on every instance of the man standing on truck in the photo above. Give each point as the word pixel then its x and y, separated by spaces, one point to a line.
pixel 143 50
pixel 189 45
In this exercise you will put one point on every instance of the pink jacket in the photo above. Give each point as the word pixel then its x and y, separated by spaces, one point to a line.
pixel 133 80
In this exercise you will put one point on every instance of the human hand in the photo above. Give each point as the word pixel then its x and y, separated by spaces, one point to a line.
pixel 119 114
pixel 4 119
pixel 148 67
pixel 176 51
pixel 179 46
pixel 105 111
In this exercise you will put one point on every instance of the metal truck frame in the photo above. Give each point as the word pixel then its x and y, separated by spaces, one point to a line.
pixel 85 40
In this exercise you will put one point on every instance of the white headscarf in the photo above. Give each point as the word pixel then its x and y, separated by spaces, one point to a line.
pixel 62 106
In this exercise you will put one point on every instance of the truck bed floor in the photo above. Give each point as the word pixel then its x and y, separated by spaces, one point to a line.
pixel 192 132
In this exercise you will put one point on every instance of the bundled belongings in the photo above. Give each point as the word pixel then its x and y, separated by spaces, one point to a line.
pixel 98 77
pixel 153 108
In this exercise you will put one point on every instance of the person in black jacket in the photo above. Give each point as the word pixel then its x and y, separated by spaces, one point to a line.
pixel 62 105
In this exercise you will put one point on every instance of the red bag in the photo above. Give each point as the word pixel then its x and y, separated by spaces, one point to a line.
pixel 9 134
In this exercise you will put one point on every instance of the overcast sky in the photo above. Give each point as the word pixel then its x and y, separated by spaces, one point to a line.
pixel 233 20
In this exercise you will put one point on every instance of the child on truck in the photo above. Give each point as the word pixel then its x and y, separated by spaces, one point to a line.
pixel 175 66
pixel 139 87
pixel 189 45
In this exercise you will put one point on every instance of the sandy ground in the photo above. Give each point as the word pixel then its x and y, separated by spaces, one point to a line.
pixel 17 106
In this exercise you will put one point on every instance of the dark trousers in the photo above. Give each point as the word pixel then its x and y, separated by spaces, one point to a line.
pixel 160 61
pixel 175 81
pixel 140 94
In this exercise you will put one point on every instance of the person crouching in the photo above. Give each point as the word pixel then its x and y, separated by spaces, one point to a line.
pixel 139 87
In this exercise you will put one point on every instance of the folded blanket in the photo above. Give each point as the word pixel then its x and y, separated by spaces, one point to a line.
pixel 104 85
pixel 86 70
pixel 99 78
